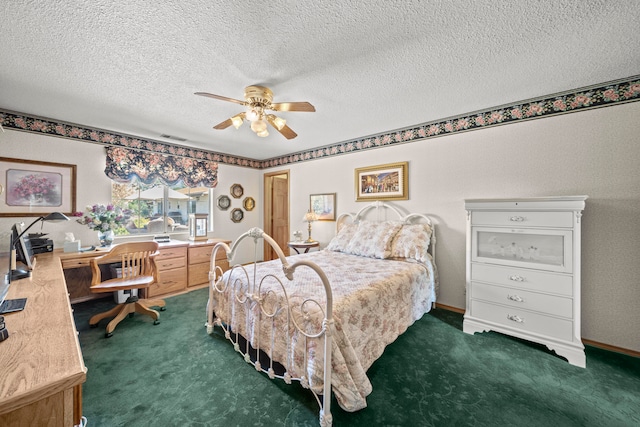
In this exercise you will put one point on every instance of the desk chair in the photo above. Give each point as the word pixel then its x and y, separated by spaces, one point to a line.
pixel 138 271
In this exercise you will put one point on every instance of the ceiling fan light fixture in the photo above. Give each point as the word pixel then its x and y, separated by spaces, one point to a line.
pixel 258 101
pixel 279 122
pixel 259 126
pixel 237 121
pixel 252 114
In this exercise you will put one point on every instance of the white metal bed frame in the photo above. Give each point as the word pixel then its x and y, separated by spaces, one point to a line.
pixel 248 293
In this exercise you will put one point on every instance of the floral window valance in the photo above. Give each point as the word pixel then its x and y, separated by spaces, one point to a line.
pixel 125 165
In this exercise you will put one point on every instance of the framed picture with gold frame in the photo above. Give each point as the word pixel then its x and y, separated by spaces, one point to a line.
pixel 382 182
pixel 248 203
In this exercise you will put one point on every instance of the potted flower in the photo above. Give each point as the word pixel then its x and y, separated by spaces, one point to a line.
pixel 103 219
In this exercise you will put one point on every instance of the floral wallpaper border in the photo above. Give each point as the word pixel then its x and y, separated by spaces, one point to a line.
pixel 603 95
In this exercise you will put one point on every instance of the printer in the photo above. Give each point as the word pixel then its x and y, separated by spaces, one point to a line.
pixel 39 243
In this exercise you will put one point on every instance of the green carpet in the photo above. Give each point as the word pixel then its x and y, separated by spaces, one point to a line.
pixel 174 374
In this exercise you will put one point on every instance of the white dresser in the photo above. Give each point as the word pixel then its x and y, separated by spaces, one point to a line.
pixel 523 271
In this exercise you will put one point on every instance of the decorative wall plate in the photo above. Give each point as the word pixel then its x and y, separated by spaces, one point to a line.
pixel 248 203
pixel 237 215
pixel 224 202
pixel 237 191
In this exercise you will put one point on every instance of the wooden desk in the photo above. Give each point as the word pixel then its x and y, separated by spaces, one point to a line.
pixel 41 365
pixel 182 266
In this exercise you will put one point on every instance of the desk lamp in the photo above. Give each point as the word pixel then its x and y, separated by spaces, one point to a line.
pixel 16 274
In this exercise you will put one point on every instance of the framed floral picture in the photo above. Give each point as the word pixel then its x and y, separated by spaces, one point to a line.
pixel 382 182
pixel 35 188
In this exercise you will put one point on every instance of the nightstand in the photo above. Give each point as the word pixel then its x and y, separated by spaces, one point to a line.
pixel 303 245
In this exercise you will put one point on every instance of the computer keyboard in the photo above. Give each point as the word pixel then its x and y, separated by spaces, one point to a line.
pixel 11 305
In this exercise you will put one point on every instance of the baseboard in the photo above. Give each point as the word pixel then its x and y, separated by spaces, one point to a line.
pixel 611 348
pixel 450 308
pixel 584 341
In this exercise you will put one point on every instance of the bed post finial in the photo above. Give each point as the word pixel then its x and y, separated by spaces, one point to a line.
pixel 255 232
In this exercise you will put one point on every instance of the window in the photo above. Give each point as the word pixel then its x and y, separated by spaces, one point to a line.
pixel 158 208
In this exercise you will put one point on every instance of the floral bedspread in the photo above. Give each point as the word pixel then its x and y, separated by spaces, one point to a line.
pixel 374 301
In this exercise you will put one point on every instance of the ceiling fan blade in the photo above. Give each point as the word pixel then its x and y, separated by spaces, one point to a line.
pixel 287 132
pixel 223 125
pixel 293 106
pixel 221 98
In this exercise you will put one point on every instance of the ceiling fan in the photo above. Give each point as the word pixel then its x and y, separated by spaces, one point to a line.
pixel 258 100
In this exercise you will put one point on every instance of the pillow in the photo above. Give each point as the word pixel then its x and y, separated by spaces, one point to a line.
pixel 373 239
pixel 412 241
pixel 341 240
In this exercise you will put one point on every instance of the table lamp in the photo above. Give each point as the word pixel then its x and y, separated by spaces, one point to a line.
pixel 309 217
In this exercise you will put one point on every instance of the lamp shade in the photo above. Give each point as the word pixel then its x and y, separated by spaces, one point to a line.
pixel 56 216
pixel 310 216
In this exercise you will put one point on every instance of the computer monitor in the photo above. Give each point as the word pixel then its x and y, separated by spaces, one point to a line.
pixel 4 287
pixel 23 252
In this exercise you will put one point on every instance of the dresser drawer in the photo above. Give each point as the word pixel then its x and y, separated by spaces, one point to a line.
pixel 172 253
pixel 75 263
pixel 532 248
pixel 523 278
pixel 519 298
pixel 523 320
pixel 199 273
pixel 523 219
pixel 170 263
pixel 202 254
pixel 169 281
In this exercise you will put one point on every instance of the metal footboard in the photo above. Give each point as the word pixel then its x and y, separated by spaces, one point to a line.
pixel 261 316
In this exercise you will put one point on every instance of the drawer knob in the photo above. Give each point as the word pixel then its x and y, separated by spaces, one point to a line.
pixel 516 298
pixel 515 318
pixel 516 218
pixel 516 278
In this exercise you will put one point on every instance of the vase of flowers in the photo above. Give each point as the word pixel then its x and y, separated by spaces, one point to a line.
pixel 103 219
pixel 106 237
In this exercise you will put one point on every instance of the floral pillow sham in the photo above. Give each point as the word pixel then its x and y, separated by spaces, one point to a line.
pixel 412 241
pixel 340 242
pixel 373 239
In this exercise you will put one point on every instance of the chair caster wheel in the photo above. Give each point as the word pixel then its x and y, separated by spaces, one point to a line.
pixel 108 335
pixel 156 322
pixel 163 308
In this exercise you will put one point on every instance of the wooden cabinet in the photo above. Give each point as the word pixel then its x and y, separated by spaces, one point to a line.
pixel 172 270
pixel 523 271
pixel 200 260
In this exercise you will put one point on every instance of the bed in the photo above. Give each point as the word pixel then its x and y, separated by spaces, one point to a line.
pixel 324 317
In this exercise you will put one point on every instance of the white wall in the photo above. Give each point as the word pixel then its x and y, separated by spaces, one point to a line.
pixel 251 182
pixel 595 153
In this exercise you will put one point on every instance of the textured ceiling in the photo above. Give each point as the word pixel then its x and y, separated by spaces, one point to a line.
pixel 367 66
